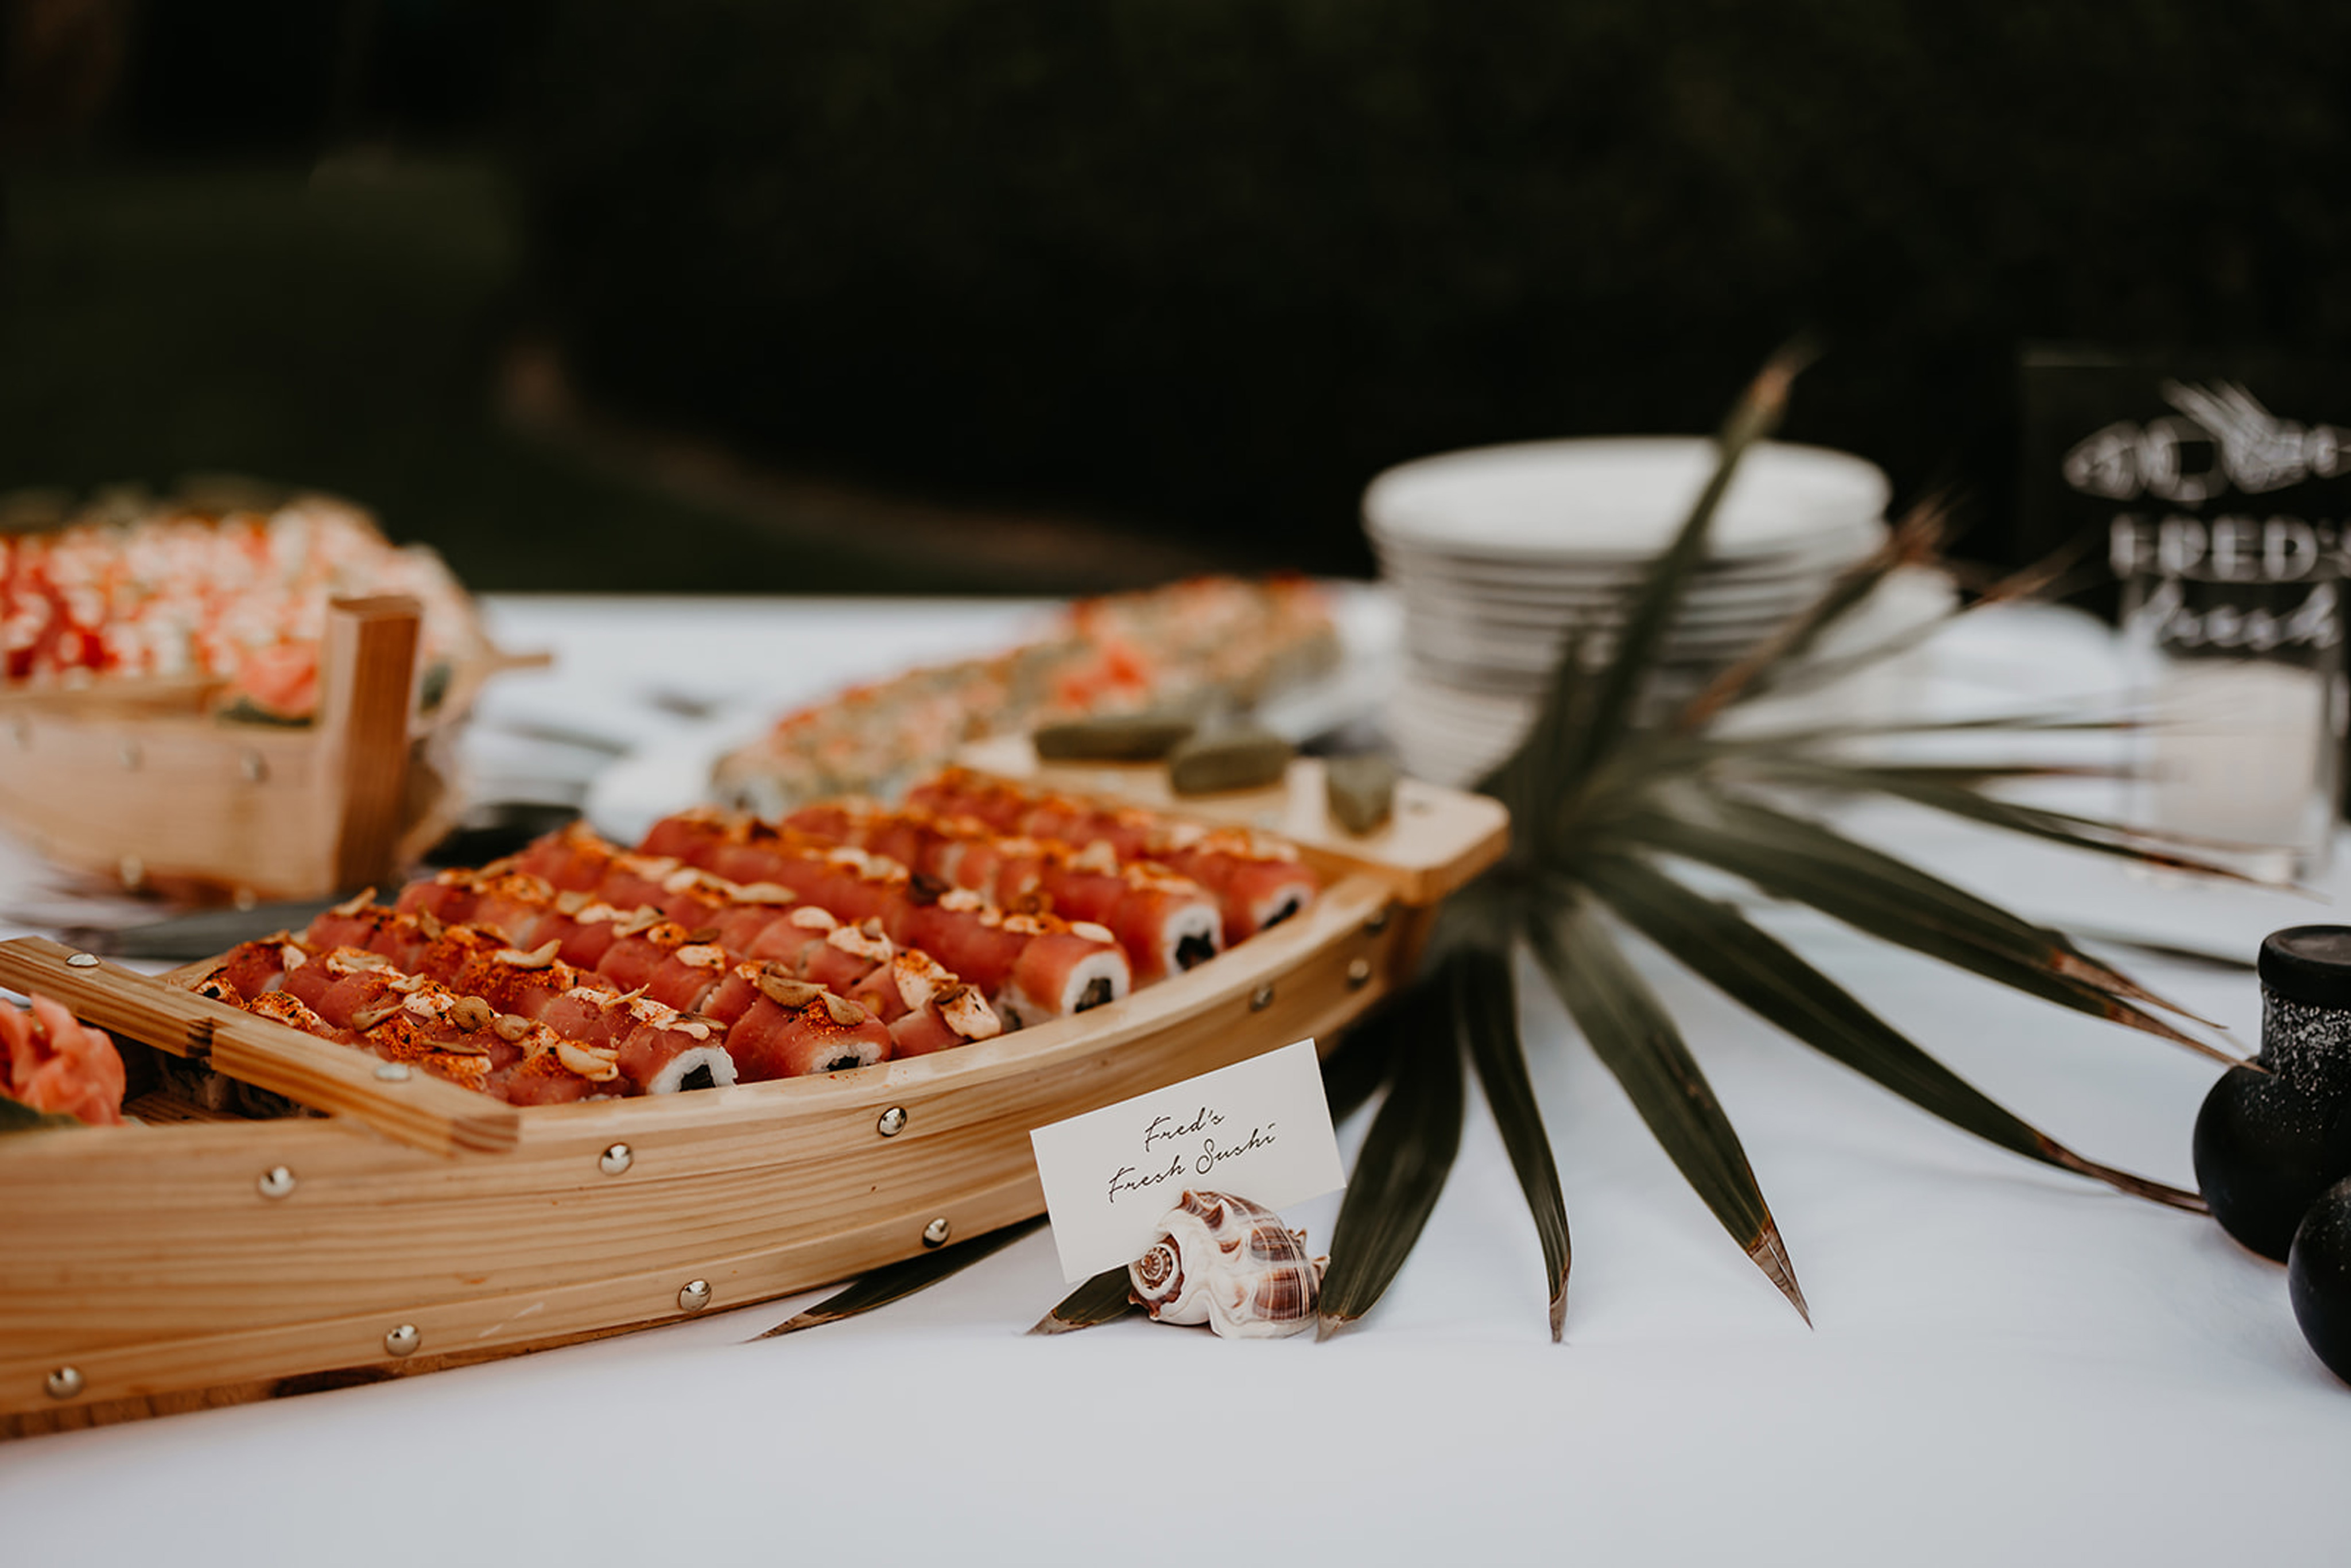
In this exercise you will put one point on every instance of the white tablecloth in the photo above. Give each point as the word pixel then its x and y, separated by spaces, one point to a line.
pixel 2005 1363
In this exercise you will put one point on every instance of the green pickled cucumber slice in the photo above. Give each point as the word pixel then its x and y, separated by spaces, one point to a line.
pixel 1229 759
pixel 1361 791
pixel 1112 737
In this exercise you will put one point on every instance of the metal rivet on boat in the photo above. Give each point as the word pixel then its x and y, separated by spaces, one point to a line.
pixel 892 1122
pixel 1359 974
pixel 616 1159
pixel 133 869
pixel 934 1234
pixel 694 1295
pixel 403 1340
pixel 254 765
pixel 393 1071
pixel 276 1181
pixel 1262 997
pixel 131 756
pixel 1378 922
pixel 82 961
pixel 64 1383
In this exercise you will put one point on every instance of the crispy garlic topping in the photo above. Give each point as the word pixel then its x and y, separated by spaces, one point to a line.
pixel 785 991
pixel 595 1064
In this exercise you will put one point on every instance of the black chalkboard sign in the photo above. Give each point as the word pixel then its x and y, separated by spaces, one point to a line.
pixel 2185 464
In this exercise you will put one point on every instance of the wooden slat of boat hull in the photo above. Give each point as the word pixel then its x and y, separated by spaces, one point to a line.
pixel 514 1320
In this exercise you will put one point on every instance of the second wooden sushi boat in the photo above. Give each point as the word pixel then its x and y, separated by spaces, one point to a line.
pixel 231 700
pixel 415 1224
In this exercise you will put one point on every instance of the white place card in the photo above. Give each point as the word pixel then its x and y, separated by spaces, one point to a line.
pixel 1259 1129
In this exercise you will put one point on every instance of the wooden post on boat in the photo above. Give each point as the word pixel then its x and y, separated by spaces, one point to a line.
pixel 367 690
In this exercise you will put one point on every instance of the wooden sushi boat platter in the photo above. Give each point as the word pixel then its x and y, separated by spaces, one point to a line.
pixel 190 1259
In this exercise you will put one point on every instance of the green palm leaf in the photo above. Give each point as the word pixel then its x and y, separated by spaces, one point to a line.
pixel 1596 797
pixel 1992 925
pixel 1913 912
pixel 1934 898
pixel 1968 774
pixel 896 1281
pixel 1361 1063
pixel 1950 904
pixel 1632 1034
pixel 1912 541
pixel 1619 689
pixel 1587 778
pixel 1407 1156
pixel 1485 1011
pixel 1773 667
pixel 1943 795
pixel 1814 737
pixel 1101 1300
pixel 1717 943
pixel 1526 780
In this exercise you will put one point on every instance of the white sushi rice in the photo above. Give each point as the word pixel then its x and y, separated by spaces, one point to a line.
pixel 1107 965
pixel 1106 968
pixel 1197 924
pixel 1280 906
pixel 710 1059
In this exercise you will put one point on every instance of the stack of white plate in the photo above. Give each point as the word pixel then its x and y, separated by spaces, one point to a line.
pixel 1496 554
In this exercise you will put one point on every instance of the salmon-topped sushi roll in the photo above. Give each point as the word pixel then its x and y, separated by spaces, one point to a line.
pixel 795 1029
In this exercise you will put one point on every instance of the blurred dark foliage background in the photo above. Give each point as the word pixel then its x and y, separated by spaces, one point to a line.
pixel 768 294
